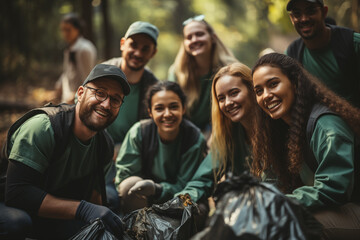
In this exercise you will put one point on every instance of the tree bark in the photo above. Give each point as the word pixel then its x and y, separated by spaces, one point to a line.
pixel 107 29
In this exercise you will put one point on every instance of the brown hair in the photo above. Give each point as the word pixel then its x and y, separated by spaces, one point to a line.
pixel 273 137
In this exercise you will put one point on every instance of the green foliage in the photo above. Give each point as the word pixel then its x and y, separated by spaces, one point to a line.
pixel 30 29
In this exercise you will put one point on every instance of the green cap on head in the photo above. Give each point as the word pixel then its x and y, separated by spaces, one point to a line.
pixel 290 4
pixel 109 71
pixel 143 27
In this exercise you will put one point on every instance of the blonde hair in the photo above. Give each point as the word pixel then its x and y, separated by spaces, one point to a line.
pixel 185 66
pixel 222 143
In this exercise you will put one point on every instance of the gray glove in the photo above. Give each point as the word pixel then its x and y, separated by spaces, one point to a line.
pixel 146 188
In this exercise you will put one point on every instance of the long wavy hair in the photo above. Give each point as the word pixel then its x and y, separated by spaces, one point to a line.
pixel 222 143
pixel 272 138
pixel 185 65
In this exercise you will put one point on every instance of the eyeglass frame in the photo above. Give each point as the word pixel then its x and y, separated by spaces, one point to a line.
pixel 106 97
pixel 197 18
pixel 307 12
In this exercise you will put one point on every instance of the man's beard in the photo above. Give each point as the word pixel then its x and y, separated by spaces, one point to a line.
pixel 85 116
pixel 135 69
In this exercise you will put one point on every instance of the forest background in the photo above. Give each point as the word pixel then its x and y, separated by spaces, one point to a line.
pixel 31 45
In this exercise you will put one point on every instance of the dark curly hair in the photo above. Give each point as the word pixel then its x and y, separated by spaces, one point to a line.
pixel 280 148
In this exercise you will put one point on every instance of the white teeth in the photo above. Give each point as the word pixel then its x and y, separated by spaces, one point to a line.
pixel 271 106
pixel 232 110
pixel 104 114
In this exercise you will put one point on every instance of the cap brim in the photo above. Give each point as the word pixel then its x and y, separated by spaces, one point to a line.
pixel 124 84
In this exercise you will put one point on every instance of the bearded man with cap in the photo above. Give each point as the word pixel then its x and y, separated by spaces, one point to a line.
pixel 138 46
pixel 331 53
pixel 52 193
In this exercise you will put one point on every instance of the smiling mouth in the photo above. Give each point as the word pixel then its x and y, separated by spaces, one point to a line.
pixel 273 105
pixel 102 113
pixel 196 46
pixel 233 110
pixel 168 122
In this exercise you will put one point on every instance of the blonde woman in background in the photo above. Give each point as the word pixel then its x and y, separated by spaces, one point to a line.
pixel 200 55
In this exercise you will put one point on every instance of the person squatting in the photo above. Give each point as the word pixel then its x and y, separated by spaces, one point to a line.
pixel 289 120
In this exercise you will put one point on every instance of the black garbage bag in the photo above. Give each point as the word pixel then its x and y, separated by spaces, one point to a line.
pixel 94 231
pixel 173 219
pixel 249 209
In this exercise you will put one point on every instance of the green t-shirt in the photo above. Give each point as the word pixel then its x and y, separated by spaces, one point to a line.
pixel 171 170
pixel 201 184
pixel 200 113
pixel 322 64
pixel 128 115
pixel 332 183
pixel 33 144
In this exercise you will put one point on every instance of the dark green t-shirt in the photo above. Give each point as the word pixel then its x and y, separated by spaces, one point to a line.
pixel 322 64
pixel 128 115
pixel 201 184
pixel 200 112
pixel 33 144
pixel 170 169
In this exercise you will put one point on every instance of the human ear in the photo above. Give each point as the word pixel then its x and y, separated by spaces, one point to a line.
pixel 149 112
pixel 80 93
pixel 122 43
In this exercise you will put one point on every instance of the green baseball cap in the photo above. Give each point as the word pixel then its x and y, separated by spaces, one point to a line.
pixel 110 71
pixel 143 27
pixel 290 4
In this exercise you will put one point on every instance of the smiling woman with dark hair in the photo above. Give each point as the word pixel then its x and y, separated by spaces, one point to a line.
pixel 159 155
pixel 306 137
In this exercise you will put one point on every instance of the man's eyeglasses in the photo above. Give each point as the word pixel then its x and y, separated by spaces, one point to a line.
pixel 307 12
pixel 197 18
pixel 101 96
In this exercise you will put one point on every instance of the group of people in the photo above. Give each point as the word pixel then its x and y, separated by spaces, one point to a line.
pixel 131 140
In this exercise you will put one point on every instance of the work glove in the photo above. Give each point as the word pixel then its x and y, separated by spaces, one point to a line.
pixel 146 188
pixel 88 212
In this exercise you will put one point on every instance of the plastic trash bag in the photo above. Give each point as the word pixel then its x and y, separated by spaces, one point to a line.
pixel 249 209
pixel 95 231
pixel 170 220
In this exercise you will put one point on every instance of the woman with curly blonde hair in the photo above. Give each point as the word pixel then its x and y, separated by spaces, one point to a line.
pixel 200 55
pixel 305 136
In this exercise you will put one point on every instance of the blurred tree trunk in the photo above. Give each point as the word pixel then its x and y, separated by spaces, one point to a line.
pixel 107 29
pixel 354 14
pixel 86 14
pixel 180 14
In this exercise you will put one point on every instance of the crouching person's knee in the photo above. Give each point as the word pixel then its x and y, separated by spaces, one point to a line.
pixel 14 223
pixel 131 202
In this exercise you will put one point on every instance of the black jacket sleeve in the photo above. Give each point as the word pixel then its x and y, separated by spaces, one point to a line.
pixel 23 187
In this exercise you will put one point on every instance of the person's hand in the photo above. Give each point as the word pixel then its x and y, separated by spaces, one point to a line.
pixel 145 188
pixel 88 212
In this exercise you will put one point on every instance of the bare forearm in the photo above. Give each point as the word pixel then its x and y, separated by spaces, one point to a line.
pixel 53 207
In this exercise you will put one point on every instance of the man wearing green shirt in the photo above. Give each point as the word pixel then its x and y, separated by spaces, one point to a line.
pixel 52 195
pixel 138 46
pixel 328 52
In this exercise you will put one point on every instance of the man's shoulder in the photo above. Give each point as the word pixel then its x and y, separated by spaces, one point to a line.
pixel 149 76
pixel 294 47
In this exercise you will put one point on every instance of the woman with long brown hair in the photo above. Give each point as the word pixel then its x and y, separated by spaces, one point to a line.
pixel 305 137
